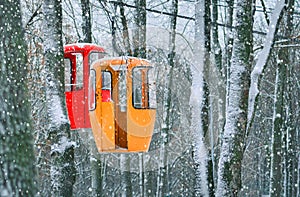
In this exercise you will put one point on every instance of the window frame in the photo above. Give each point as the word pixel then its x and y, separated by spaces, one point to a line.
pixel 94 87
pixel 70 73
pixel 122 93
pixel 147 86
pixel 111 83
pixel 78 86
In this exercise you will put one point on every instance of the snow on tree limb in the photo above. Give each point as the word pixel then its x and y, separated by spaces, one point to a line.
pixel 56 112
pixel 196 103
pixel 63 144
pixel 262 60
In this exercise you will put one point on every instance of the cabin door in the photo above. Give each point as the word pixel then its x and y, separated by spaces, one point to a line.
pixel 114 105
pixel 74 89
pixel 121 109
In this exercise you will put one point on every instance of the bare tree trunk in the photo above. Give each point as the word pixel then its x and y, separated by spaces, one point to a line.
pixel 96 168
pixel 278 127
pixel 86 24
pixel 125 175
pixel 95 162
pixel 292 136
pixel 17 171
pixel 124 47
pixel 141 175
pixel 125 31
pixel 139 38
pixel 230 163
pixel 200 154
pixel 163 172
pixel 228 39
pixel 215 38
pixel 62 148
pixel 280 157
pixel 290 98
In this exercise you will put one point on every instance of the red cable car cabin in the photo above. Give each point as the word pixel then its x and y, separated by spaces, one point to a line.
pixel 77 59
pixel 122 102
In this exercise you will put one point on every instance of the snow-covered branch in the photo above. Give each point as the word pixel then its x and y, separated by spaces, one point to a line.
pixel 262 60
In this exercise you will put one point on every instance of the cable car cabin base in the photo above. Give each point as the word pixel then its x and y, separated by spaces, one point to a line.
pixel 122 102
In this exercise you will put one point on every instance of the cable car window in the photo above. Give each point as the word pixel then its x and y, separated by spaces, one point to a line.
pixel 137 87
pixel 95 56
pixel 92 90
pixel 106 86
pixel 68 74
pixel 122 91
pixel 144 88
pixel 79 71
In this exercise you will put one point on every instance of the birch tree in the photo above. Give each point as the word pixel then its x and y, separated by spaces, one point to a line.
pixel 17 171
pixel 196 102
pixel 232 147
pixel 62 148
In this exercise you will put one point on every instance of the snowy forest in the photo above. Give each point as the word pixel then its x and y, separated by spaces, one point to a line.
pixel 227 87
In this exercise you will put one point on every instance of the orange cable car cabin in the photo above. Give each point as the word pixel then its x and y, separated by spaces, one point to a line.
pixel 122 102
pixel 77 59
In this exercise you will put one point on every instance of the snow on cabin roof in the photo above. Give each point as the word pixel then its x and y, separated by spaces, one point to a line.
pixel 83 46
pixel 121 63
pixel 126 58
